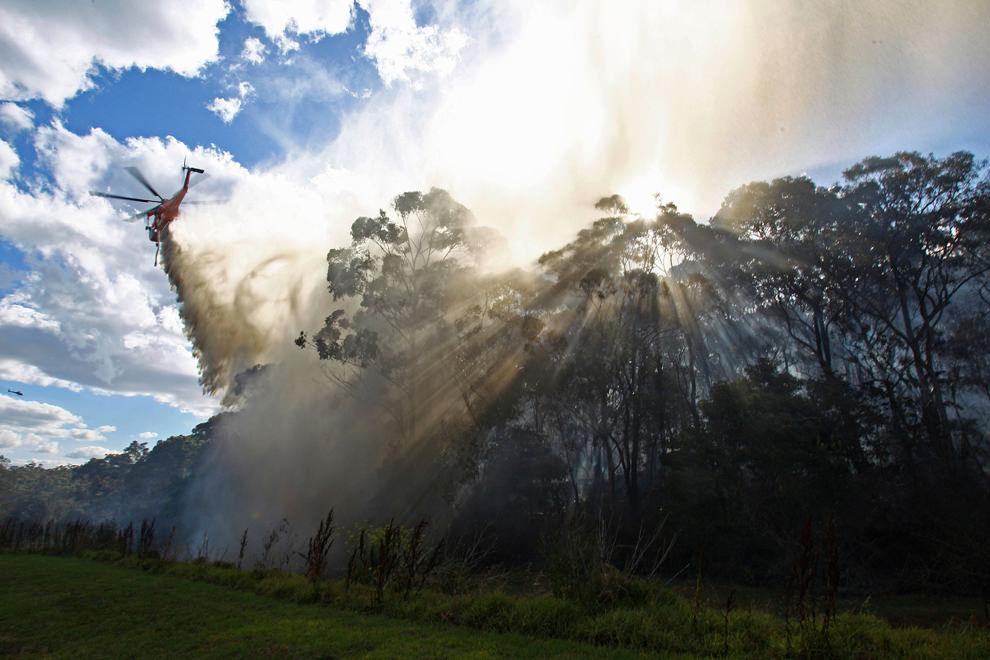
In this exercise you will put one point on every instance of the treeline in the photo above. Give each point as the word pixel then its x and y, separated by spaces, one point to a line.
pixel 137 484
pixel 810 354
pixel 812 358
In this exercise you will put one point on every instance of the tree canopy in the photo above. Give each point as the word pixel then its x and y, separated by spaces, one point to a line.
pixel 811 353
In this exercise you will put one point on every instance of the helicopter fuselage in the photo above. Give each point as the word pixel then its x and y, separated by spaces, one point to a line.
pixel 160 217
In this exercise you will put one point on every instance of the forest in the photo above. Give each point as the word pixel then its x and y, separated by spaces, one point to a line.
pixel 812 362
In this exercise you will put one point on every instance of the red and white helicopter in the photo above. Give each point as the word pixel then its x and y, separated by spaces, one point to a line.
pixel 160 216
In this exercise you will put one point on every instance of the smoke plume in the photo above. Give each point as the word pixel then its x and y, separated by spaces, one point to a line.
pixel 557 105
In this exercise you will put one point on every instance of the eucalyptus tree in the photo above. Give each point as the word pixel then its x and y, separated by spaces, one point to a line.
pixel 623 333
pixel 918 262
pixel 398 284
pixel 784 262
pixel 877 279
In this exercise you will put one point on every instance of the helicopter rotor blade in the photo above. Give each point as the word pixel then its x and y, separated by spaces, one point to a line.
pixel 206 201
pixel 130 199
pixel 136 173
pixel 198 180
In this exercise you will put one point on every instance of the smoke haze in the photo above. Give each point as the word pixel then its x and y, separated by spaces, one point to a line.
pixel 553 106
pixel 585 99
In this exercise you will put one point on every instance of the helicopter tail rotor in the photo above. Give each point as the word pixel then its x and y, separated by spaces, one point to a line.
pixel 191 169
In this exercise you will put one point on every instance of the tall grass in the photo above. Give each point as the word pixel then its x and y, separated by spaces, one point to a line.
pixel 396 574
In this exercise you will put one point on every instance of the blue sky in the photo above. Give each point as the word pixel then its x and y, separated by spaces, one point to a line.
pixel 308 114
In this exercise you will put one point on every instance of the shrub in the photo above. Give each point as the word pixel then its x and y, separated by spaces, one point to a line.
pixel 552 617
pixel 317 548
pixel 625 627
pixel 393 558
pixel 578 563
pixel 492 611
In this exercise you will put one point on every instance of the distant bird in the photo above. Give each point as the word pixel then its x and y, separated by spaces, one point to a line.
pixel 16 392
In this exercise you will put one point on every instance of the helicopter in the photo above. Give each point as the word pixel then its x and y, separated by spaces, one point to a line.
pixel 17 392
pixel 160 216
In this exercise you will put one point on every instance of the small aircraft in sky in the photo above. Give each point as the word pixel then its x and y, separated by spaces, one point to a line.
pixel 15 392
pixel 160 216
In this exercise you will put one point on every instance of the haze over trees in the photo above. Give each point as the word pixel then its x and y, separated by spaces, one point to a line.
pixel 810 353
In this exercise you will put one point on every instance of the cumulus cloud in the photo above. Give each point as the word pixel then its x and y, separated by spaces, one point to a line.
pixel 16 117
pixel 228 108
pixel 9 439
pixel 8 160
pixel 174 36
pixel 225 108
pixel 85 435
pixel 88 452
pixel 312 19
pixel 39 428
pixel 8 276
pixel 254 51
pixel 45 447
pixel 21 372
pixel 26 415
pixel 15 313
pixel 402 50
pixel 148 435
pixel 91 310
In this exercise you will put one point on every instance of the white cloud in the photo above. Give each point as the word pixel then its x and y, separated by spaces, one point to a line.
pixel 148 435
pixel 39 428
pixel 49 49
pixel 403 51
pixel 15 314
pixel 22 415
pixel 85 435
pixel 169 319
pixel 8 276
pixel 254 51
pixel 228 108
pixel 9 439
pixel 89 309
pixel 88 452
pixel 47 463
pixel 313 19
pixel 16 117
pixel 20 372
pixel 8 160
pixel 45 447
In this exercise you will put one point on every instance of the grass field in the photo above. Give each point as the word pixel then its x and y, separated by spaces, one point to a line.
pixel 53 607
pixel 62 607
pixel 900 610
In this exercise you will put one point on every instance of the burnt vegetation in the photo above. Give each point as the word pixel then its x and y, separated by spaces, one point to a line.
pixel 660 390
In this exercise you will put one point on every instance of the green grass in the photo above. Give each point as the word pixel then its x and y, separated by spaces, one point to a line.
pixel 53 607
pixel 900 610
pixel 70 607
